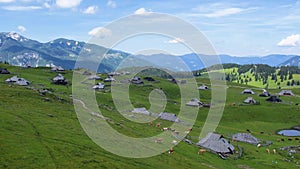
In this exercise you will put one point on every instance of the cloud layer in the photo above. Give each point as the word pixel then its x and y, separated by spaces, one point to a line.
pixel 100 32
pixel 290 41
pixel 67 3
pixel 21 8
pixel 224 12
pixel 141 11
pixel 175 40
pixel 6 1
pixel 21 28
pixel 91 10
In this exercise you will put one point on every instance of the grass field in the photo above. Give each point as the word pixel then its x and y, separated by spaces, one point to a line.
pixel 259 84
pixel 45 133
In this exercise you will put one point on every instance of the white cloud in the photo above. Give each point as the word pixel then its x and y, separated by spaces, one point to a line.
pixel 224 12
pixel 141 11
pixel 91 10
pixel 26 1
pixel 100 32
pixel 21 8
pixel 111 3
pixel 6 1
pixel 290 41
pixel 175 40
pixel 21 28
pixel 47 5
pixel 67 3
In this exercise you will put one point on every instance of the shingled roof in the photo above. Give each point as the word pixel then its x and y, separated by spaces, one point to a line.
pixel 245 137
pixel 169 116
pixel 216 143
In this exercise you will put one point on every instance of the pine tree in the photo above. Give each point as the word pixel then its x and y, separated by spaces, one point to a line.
pixel 290 75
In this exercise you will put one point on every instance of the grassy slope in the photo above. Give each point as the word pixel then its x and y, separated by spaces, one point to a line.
pixel 272 84
pixel 29 138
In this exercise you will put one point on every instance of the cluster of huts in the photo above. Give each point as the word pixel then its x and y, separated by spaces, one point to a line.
pixel 163 115
pixel 111 78
pixel 217 143
pixel 213 142
pixel 265 93
pixel 59 79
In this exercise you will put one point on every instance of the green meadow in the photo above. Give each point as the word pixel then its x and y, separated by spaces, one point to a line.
pixel 43 131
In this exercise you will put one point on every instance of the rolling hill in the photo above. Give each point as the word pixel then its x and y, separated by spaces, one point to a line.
pixel 258 75
pixel 42 130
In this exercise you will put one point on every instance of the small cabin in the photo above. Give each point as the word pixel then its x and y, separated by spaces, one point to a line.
pixel 250 100
pixel 286 93
pixel 4 71
pixel 94 77
pixel 136 80
pixel 169 116
pixel 18 81
pixel 109 79
pixel 57 69
pixel 98 86
pixel 216 143
pixel 194 103
pixel 203 87
pixel 248 91
pixel 273 99
pixel 59 80
pixel 142 110
pixel 246 138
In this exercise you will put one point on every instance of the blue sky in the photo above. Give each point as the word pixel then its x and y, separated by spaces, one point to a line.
pixel 235 27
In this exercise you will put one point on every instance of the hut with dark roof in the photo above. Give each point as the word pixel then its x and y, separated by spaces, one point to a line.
pixel 245 137
pixel 4 71
pixel 248 91
pixel 216 143
pixel 273 99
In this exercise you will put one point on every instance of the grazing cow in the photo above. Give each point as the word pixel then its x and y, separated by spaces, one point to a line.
pixel 171 151
pixel 190 129
pixel 258 145
pixel 159 140
pixel 268 151
pixel 201 151
pixel 150 123
pixel 296 138
pixel 248 131
pixel 158 124
pixel 274 151
pixel 166 128
pixel 282 139
pixel 290 139
pixel 261 132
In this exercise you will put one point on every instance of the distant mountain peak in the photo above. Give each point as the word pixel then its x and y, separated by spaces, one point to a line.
pixel 15 36
pixel 294 61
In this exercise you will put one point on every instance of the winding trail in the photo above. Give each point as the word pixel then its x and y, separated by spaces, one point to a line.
pixel 38 137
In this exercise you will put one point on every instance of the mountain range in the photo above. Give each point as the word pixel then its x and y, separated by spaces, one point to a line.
pixel 21 51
